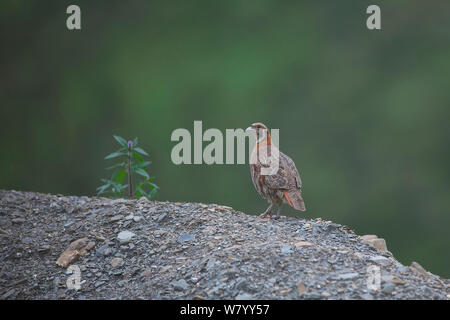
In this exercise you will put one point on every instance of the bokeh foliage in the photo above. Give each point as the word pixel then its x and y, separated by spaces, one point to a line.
pixel 364 114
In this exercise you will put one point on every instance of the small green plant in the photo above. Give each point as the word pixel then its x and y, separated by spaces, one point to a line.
pixel 131 164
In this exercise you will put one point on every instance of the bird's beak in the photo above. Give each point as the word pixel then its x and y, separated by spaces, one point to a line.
pixel 248 129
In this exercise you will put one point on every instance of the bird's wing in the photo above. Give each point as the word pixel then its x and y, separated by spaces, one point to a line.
pixel 277 181
pixel 287 176
pixel 294 173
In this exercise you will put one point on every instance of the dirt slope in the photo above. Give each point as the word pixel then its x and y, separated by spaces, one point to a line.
pixel 140 249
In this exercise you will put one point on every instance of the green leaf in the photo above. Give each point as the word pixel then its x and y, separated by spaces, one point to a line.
pixel 139 191
pixel 119 176
pixel 115 155
pixel 140 151
pixel 117 187
pixel 135 142
pixel 121 186
pixel 118 165
pixel 138 157
pixel 142 172
pixel 121 141
pixel 152 185
pixel 153 192
pixel 144 164
pixel 102 186
pixel 102 189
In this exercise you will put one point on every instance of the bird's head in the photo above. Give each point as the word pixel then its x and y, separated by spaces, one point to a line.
pixel 261 132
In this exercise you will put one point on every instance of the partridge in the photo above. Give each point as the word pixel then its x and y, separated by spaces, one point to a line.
pixel 282 186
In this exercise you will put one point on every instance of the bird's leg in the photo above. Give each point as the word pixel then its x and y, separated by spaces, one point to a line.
pixel 278 212
pixel 267 212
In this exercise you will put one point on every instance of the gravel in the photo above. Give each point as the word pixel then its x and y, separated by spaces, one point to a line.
pixel 140 249
pixel 125 236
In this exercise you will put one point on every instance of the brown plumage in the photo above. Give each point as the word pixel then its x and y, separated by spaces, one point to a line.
pixel 283 186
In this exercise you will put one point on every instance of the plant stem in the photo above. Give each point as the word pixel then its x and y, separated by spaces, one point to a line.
pixel 130 187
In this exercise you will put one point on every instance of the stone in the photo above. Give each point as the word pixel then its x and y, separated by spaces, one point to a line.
pixel 346 276
pixel 143 200
pixel 397 281
pixel 115 262
pixel 44 248
pixel 241 284
pixel 286 249
pixel 180 285
pixel 104 250
pixel 368 237
pixel 72 253
pixel 303 244
pixel 418 268
pixel 332 226
pixel 27 240
pixel 210 264
pixel 235 246
pixel 146 273
pixel 244 296
pixel 185 237
pixel 165 268
pixel 378 243
pixel 285 291
pixel 18 220
pixel 387 278
pixel 427 291
pixel 300 288
pixel 388 288
pixel 125 236
pixel 126 224
pixel 366 296
pixel 117 218
pixel 403 269
pixel 8 294
pixel 162 217
pixel 90 245
pixel 380 260
pixel 159 233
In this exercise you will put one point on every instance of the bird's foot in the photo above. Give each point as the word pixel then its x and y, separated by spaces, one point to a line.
pixel 267 212
pixel 263 215
pixel 277 217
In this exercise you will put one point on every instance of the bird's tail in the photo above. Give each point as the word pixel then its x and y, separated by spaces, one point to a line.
pixel 295 200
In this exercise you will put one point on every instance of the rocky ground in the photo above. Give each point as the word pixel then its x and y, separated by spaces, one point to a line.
pixel 140 249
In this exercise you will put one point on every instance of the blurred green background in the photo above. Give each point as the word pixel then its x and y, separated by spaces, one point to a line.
pixel 364 114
